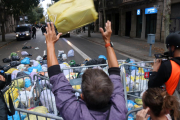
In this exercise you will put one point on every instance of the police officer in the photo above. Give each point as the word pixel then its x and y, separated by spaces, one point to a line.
pixel 168 72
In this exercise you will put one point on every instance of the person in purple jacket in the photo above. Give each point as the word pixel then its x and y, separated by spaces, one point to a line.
pixel 102 95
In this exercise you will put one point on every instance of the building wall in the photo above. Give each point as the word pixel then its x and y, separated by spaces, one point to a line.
pixel 175 17
pixel 133 9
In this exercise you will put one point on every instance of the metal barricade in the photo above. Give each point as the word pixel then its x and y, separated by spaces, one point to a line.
pixel 133 112
pixel 132 75
pixel 18 92
pixel 46 96
pixel 30 115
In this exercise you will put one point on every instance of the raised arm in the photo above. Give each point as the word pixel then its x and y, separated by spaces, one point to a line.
pixel 111 56
pixel 117 96
pixel 51 39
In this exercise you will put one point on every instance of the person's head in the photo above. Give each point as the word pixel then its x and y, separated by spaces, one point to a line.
pixel 173 45
pixel 160 102
pixel 96 88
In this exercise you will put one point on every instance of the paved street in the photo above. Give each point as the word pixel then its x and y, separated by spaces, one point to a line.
pixel 81 46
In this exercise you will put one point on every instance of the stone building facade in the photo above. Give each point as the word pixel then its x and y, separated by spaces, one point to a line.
pixel 138 18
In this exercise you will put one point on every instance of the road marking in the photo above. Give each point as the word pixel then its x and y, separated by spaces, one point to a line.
pixel 25 43
pixel 77 49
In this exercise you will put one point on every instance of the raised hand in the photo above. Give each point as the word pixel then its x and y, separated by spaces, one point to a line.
pixel 107 34
pixel 51 37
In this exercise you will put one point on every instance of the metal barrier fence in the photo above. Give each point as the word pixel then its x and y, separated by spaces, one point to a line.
pixel 30 115
pixel 132 76
pixel 18 92
pixel 42 89
pixel 132 112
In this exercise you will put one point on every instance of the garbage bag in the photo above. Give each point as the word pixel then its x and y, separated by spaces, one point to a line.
pixel 6 68
pixel 14 63
pixel 6 60
pixel 72 62
pixel 32 74
pixel 64 56
pixel 71 53
pixel 15 58
pixel 26 60
pixel 39 109
pixel 26 47
pixel 16 116
pixel 48 100
pixel 1 68
pixel 11 70
pixel 39 68
pixel 28 73
pixel 24 53
pixel 13 54
pixel 39 58
pixel 45 83
pixel 21 67
pixel 60 52
pixel 14 74
pixel 35 63
pixel 96 61
pixel 13 93
pixel 26 96
pixel 45 57
pixel 66 72
pixel 21 74
pixel 18 83
pixel 27 83
pixel 72 14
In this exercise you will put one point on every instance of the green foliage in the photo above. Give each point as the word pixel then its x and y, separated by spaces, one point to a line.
pixel 42 20
pixel 35 14
pixel 19 7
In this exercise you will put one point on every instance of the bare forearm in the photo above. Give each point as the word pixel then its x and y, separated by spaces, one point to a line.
pixel 112 59
pixel 51 55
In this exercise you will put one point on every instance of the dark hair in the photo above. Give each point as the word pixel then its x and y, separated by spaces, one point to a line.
pixel 159 100
pixel 97 88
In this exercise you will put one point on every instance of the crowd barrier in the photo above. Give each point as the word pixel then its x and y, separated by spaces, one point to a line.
pixel 41 90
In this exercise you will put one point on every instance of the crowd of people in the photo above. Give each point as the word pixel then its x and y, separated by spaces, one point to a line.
pixel 103 96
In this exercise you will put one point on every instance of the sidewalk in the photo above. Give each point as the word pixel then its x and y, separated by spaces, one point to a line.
pixel 10 37
pixel 133 47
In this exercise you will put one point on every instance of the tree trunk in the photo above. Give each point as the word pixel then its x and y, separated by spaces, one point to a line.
pixel 104 12
pixel 2 27
pixel 3 32
pixel 167 11
pixel 89 30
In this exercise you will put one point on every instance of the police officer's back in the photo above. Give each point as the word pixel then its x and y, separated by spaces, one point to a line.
pixel 168 72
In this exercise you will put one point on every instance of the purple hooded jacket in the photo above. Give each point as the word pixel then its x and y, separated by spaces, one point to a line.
pixel 71 108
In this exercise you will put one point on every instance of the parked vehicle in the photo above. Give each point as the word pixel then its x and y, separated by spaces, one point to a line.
pixel 23 32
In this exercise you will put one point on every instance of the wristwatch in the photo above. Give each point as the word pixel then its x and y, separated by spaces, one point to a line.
pixel 109 44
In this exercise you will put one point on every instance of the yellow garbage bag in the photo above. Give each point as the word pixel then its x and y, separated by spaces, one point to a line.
pixel 11 70
pixel 39 109
pixel 77 87
pixel 18 83
pixel 72 14
pixel 13 93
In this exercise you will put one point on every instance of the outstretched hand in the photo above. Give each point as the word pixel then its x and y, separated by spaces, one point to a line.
pixel 51 37
pixel 107 34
